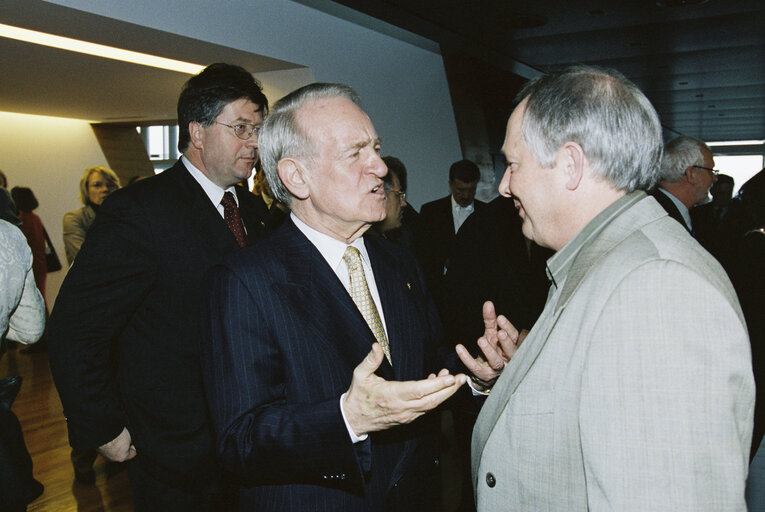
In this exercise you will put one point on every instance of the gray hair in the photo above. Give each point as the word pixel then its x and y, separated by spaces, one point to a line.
pixel 679 154
pixel 283 137
pixel 603 112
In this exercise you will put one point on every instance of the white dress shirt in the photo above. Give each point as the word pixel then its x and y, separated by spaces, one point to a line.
pixel 332 251
pixel 460 213
pixel 213 191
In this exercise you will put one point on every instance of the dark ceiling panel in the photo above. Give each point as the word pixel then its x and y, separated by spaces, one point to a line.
pixel 685 58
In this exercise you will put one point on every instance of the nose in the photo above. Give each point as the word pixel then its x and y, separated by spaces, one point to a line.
pixel 504 184
pixel 252 141
pixel 377 166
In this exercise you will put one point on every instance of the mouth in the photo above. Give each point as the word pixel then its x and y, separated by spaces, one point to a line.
pixel 519 207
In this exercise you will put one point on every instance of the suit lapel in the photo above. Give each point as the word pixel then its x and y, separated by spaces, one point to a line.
pixel 614 233
pixel 254 213
pixel 512 376
pixel 395 297
pixel 201 215
pixel 313 289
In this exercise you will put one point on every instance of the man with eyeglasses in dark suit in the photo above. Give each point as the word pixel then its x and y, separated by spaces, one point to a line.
pixel 124 334
pixel 687 174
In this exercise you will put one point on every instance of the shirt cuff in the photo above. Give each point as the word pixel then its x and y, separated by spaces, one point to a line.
pixel 472 388
pixel 354 438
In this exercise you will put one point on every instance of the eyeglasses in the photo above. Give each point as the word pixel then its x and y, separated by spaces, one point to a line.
pixel 243 130
pixel 401 195
pixel 714 172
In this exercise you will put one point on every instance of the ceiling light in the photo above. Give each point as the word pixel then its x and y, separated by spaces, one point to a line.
pixel 736 143
pixel 99 50
pixel 679 3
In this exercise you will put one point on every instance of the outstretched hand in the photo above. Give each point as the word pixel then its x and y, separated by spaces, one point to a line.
pixel 373 403
pixel 498 344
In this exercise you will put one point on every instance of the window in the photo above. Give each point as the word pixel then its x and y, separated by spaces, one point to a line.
pixel 739 159
pixel 161 143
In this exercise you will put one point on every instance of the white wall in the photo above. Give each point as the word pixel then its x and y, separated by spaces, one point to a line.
pixel 403 87
pixel 48 155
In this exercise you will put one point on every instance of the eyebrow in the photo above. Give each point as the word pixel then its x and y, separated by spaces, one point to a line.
pixel 241 119
pixel 362 144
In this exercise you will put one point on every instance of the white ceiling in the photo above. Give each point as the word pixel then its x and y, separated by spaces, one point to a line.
pixel 47 81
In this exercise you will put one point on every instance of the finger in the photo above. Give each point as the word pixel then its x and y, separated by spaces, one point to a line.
pixel 433 400
pixel 505 324
pixel 416 389
pixel 443 371
pixel 371 363
pixel 489 315
pixel 468 360
pixel 494 356
pixel 522 336
pixel 489 320
pixel 507 345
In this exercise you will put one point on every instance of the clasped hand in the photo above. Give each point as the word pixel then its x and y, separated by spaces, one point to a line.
pixel 119 449
pixel 498 344
pixel 373 403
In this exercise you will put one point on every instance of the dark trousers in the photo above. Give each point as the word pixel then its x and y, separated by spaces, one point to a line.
pixel 152 495
pixel 17 486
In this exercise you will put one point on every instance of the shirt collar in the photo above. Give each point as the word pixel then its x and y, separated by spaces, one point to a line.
pixel 560 262
pixel 457 207
pixel 213 191
pixel 680 207
pixel 331 249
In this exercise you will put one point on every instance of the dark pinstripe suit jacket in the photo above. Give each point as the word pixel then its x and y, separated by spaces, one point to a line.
pixel 282 337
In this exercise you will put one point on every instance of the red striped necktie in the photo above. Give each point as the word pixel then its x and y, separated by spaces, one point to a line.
pixel 233 218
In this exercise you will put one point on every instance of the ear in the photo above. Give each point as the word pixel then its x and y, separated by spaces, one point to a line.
pixel 292 174
pixel 690 175
pixel 196 134
pixel 574 163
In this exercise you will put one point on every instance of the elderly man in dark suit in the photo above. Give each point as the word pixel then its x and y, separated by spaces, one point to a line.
pixel 320 357
pixel 124 334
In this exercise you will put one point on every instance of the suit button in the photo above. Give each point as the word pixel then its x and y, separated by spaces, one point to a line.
pixel 490 480
pixel 436 462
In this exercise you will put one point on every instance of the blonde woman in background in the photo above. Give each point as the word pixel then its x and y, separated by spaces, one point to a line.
pixel 96 183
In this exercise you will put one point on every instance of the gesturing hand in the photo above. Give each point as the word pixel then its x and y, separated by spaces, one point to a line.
pixel 373 403
pixel 119 449
pixel 498 344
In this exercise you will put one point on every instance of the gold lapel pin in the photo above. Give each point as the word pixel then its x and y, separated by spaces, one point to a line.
pixel 409 286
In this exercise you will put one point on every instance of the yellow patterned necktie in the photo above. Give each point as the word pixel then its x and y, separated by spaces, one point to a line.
pixel 359 291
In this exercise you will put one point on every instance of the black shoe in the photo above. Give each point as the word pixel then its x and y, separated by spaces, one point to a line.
pixel 114 468
pixel 85 477
pixel 35 348
pixel 9 388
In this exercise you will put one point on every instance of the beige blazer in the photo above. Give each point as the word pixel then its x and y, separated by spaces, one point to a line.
pixel 633 391
pixel 76 225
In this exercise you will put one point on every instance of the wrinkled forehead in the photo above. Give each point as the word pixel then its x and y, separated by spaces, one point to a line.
pixel 334 119
pixel 513 134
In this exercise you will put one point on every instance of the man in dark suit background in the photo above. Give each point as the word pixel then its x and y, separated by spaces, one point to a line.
pixel 441 220
pixel 687 173
pixel 303 411
pixel 124 333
